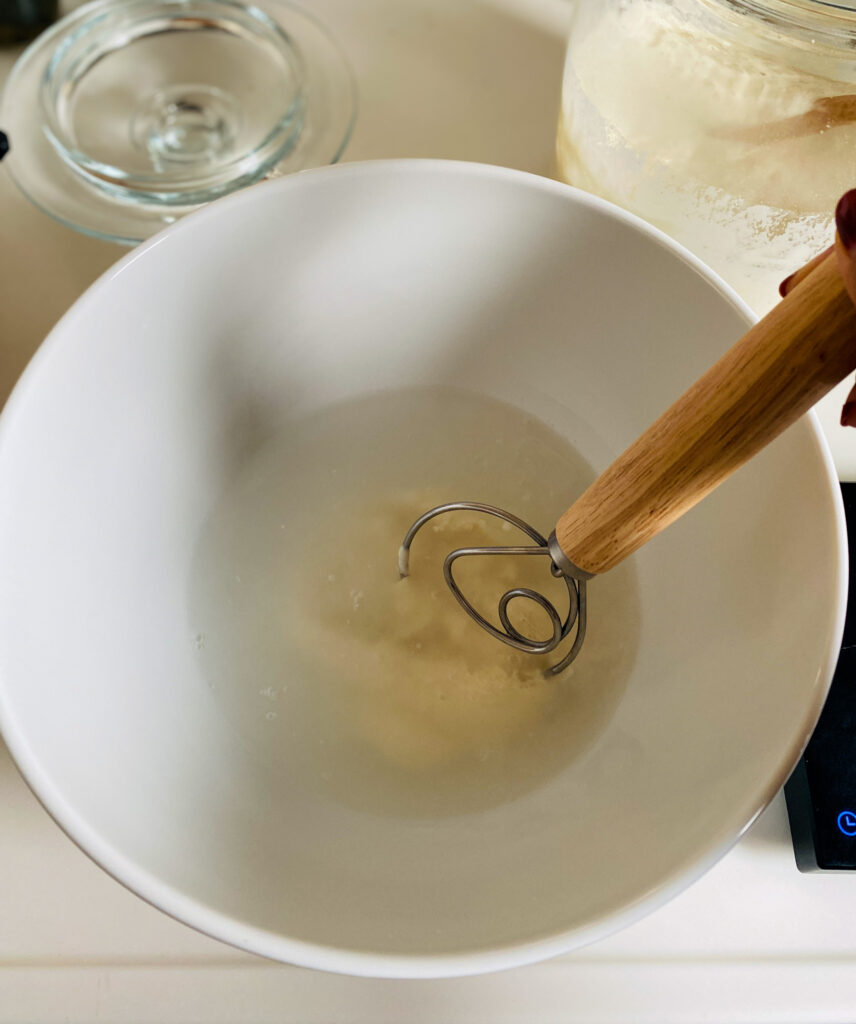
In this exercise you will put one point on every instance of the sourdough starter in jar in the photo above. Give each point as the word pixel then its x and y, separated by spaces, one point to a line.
pixel 728 124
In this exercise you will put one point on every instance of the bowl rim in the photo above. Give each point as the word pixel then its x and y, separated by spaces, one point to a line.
pixel 273 945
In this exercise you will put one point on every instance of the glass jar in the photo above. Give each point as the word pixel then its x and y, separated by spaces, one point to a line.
pixel 730 124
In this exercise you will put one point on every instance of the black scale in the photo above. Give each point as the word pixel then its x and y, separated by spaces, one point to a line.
pixel 821 793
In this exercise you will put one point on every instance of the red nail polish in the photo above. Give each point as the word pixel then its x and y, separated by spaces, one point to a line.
pixel 783 287
pixel 848 415
pixel 845 219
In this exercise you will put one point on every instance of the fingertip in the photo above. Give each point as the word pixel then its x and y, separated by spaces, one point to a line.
pixel 845 220
pixel 790 282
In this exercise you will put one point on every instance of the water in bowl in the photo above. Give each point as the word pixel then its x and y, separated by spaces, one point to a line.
pixel 377 692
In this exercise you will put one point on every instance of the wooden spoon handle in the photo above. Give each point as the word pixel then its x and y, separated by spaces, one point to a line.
pixel 775 373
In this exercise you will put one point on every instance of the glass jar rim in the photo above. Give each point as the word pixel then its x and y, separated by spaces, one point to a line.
pixel 815 24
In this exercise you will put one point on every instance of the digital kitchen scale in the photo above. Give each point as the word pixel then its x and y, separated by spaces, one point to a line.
pixel 821 793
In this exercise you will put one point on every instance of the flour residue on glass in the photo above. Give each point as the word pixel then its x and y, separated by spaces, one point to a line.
pixel 734 151
pixel 379 692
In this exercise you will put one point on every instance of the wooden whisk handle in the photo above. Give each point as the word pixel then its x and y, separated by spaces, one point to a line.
pixel 774 374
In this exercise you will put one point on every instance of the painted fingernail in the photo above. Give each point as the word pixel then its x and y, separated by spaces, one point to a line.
pixel 848 415
pixel 785 285
pixel 845 219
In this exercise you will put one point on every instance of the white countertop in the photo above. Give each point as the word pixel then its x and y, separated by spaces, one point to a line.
pixel 753 941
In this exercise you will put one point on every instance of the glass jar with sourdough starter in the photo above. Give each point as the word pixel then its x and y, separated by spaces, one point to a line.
pixel 730 124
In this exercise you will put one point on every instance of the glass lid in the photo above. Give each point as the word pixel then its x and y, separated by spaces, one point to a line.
pixel 128 114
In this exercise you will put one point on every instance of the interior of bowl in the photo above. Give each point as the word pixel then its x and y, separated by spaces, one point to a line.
pixel 136 418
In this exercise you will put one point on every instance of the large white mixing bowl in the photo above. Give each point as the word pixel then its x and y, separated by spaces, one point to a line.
pixel 129 424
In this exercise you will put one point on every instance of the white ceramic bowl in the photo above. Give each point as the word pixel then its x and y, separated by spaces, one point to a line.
pixel 320 287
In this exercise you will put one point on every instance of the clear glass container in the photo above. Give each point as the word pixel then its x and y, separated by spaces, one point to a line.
pixel 730 124
pixel 128 114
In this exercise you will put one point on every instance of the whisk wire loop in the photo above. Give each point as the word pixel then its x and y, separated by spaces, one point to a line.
pixel 508 633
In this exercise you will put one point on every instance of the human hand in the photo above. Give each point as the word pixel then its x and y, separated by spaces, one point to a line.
pixel 845 251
